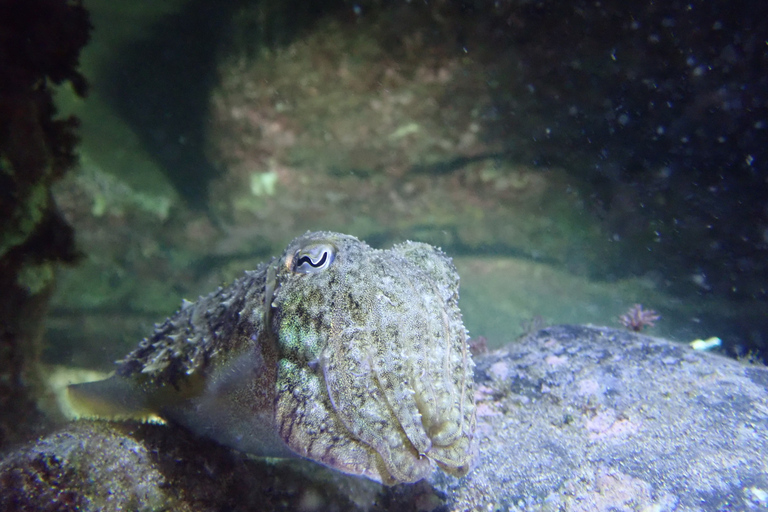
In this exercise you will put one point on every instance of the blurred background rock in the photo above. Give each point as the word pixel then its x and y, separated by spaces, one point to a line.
pixel 575 158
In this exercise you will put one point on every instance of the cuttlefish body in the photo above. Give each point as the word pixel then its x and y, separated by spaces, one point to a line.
pixel 353 357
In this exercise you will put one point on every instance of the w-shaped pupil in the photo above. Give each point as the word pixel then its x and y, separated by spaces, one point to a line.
pixel 308 260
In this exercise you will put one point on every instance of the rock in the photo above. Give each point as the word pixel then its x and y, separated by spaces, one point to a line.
pixel 569 418
pixel 305 136
pixel 586 418
pixel 101 466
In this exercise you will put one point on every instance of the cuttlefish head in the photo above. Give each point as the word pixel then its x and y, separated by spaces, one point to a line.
pixel 374 374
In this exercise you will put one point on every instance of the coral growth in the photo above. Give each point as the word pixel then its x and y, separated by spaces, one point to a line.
pixel 478 345
pixel 636 318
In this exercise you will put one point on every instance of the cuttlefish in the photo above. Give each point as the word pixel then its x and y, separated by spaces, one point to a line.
pixel 353 357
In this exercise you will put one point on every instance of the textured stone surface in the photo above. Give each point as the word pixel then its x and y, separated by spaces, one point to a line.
pixel 97 466
pixel 582 418
pixel 571 418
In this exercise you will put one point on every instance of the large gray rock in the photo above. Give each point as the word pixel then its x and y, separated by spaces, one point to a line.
pixel 585 418
pixel 569 418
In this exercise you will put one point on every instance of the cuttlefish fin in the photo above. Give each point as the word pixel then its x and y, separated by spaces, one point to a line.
pixel 116 398
pixel 123 398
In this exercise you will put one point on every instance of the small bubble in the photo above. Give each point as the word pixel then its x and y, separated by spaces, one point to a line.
pixel 700 279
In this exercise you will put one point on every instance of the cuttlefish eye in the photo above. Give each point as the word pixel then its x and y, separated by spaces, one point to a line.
pixel 313 258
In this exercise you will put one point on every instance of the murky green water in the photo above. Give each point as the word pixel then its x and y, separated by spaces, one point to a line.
pixel 533 143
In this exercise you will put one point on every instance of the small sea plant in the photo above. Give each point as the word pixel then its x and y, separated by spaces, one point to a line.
pixel 636 318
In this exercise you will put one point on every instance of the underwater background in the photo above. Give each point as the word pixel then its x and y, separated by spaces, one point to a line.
pixel 574 158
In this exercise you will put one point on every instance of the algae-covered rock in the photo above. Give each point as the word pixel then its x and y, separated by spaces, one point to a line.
pixel 89 466
pixel 128 466
pixel 569 418
pixel 385 127
pixel 40 43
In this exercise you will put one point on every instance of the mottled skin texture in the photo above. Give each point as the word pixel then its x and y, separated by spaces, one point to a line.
pixel 349 356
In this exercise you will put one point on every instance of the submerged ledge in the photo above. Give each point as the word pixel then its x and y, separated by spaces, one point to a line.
pixel 569 418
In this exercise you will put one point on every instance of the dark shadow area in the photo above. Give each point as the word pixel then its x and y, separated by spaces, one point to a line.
pixel 161 84
pixel 40 44
pixel 662 112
